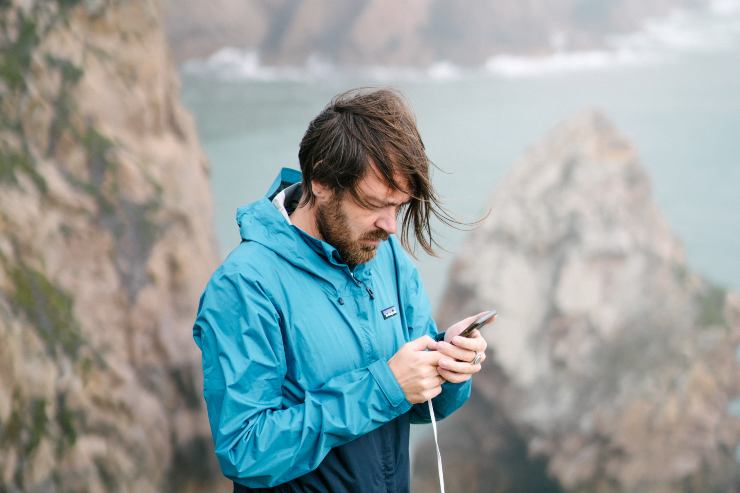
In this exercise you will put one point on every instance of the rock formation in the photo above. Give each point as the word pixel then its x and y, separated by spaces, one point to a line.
pixel 105 245
pixel 612 366
pixel 415 33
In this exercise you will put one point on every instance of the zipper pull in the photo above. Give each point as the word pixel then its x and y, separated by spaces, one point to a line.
pixel 370 292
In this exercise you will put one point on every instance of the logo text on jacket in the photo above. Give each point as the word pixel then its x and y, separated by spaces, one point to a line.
pixel 389 312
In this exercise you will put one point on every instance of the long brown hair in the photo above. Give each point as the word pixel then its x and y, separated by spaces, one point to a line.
pixel 366 127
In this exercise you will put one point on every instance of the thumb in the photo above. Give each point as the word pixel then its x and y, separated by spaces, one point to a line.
pixel 423 343
pixel 473 318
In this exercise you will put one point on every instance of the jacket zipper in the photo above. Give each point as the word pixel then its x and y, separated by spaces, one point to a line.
pixel 358 282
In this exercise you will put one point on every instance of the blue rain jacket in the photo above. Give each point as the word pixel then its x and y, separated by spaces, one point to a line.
pixel 295 347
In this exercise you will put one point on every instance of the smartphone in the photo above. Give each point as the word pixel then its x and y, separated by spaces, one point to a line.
pixel 478 322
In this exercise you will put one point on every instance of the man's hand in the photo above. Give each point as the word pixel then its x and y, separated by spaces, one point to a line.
pixel 415 368
pixel 460 352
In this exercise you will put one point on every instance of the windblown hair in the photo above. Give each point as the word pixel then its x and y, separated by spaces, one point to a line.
pixel 361 128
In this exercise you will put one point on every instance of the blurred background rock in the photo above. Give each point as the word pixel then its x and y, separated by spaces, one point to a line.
pixel 105 243
pixel 610 250
pixel 615 364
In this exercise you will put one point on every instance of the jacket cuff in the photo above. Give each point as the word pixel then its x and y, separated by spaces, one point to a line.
pixel 387 382
pixel 452 397
pixel 457 388
pixel 439 337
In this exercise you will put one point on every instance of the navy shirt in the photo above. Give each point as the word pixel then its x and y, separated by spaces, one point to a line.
pixel 375 462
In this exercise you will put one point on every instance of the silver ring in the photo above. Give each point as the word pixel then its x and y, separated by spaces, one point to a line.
pixel 477 359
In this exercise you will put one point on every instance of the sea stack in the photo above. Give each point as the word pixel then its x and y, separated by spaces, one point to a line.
pixel 612 366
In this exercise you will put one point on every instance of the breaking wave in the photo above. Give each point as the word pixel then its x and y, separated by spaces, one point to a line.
pixel 659 40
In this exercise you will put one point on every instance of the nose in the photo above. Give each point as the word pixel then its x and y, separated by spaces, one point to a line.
pixel 387 222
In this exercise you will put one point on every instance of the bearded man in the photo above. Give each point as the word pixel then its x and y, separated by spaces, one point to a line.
pixel 319 347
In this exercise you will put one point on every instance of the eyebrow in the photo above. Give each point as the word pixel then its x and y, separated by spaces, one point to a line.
pixel 386 203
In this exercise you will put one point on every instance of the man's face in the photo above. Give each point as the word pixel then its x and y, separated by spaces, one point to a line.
pixel 356 230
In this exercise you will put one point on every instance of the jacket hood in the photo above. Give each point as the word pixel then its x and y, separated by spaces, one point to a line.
pixel 263 223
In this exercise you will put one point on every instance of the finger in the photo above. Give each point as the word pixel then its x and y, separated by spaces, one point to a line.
pixel 472 318
pixel 426 371
pixel 432 393
pixel 476 317
pixel 422 343
pixel 470 343
pixel 430 358
pixel 480 342
pixel 432 382
pixel 454 377
pixel 479 315
pixel 447 364
pixel 454 352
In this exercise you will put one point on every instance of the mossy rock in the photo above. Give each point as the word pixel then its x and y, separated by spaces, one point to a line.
pixel 48 308
pixel 15 58
pixel 26 426
pixel 12 163
pixel 712 308
pixel 66 420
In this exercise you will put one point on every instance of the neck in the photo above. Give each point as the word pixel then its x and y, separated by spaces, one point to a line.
pixel 304 218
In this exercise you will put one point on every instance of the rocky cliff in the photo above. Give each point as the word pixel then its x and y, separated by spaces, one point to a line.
pixel 105 244
pixel 411 32
pixel 613 367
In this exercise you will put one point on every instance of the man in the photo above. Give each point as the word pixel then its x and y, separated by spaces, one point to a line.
pixel 319 347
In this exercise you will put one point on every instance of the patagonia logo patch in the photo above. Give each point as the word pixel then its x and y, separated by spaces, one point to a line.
pixel 389 312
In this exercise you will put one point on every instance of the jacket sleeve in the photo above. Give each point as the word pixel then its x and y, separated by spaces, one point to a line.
pixel 259 441
pixel 418 314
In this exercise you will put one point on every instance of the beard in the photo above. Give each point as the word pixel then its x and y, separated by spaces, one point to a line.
pixel 333 225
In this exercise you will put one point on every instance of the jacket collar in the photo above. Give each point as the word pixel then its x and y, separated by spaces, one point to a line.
pixel 263 223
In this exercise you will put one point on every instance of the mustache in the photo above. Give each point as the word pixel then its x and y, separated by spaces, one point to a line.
pixel 378 234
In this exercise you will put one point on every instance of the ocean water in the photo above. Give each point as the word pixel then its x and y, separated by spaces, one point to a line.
pixel 682 112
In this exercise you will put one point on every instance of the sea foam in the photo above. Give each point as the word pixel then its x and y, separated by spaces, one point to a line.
pixel 659 40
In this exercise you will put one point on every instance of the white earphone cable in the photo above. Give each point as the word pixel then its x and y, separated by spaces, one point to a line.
pixel 436 443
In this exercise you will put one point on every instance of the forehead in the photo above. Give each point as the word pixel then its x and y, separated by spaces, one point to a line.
pixel 374 187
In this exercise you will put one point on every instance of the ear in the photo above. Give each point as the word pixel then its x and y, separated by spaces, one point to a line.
pixel 320 191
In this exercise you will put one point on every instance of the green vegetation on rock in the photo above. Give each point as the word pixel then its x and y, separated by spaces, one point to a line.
pixel 67 4
pixel 26 426
pixel 10 433
pixel 681 272
pixel 38 424
pixel 15 57
pixel 63 102
pixel 48 308
pixel 97 147
pixel 20 41
pixel 712 308
pixel 65 419
pixel 29 424
pixel 12 163
pixel 71 73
